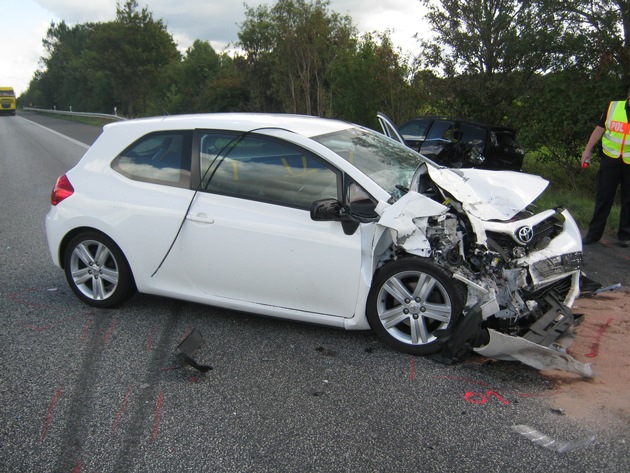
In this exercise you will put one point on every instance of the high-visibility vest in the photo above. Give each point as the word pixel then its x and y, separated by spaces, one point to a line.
pixel 615 139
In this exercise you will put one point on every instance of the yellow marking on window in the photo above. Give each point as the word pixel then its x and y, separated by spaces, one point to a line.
pixel 304 171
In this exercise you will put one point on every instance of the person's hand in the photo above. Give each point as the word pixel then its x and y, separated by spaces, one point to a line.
pixel 586 158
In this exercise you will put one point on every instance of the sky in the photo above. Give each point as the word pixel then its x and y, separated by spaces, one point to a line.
pixel 25 23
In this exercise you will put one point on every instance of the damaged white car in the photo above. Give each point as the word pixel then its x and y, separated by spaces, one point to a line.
pixel 319 221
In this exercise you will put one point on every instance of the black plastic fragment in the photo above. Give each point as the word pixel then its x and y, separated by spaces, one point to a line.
pixel 553 323
pixel 187 348
pixel 588 287
pixel 460 340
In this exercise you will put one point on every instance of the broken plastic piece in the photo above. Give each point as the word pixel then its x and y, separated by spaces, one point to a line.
pixel 588 286
pixel 506 347
pixel 188 347
pixel 551 325
pixel 612 287
pixel 460 340
pixel 547 442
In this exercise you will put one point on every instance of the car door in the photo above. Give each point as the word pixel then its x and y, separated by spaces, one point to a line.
pixel 249 237
pixel 388 127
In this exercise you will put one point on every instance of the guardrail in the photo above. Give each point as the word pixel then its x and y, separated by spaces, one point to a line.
pixel 100 116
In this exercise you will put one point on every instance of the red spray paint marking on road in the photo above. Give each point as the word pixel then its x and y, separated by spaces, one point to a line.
pixel 86 328
pixel 51 408
pixel 490 390
pixel 157 416
pixel 15 297
pixel 412 368
pixel 77 468
pixel 598 336
pixel 149 344
pixel 186 332
pixel 109 333
pixel 49 326
pixel 123 408
pixel 480 398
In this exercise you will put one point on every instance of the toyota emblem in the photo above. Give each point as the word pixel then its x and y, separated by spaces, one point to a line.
pixel 525 234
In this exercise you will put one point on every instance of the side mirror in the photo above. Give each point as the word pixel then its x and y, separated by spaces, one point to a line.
pixel 327 210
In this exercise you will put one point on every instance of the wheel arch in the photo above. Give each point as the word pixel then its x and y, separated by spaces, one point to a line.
pixel 456 290
pixel 124 285
pixel 63 246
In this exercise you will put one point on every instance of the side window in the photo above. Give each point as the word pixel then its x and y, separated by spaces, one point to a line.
pixel 473 134
pixel 264 170
pixel 416 129
pixel 439 136
pixel 159 158
pixel 441 130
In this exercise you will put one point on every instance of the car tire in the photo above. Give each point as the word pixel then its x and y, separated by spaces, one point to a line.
pixel 410 300
pixel 97 270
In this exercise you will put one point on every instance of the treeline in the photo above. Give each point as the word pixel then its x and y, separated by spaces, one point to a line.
pixel 545 67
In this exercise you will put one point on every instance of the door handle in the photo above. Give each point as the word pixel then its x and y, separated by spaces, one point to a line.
pixel 199 218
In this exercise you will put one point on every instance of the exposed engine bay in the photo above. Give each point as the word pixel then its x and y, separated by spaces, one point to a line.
pixel 520 269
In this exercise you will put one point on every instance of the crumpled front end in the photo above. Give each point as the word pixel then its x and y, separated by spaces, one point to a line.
pixel 521 271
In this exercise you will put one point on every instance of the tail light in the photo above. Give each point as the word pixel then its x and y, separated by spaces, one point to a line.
pixel 62 190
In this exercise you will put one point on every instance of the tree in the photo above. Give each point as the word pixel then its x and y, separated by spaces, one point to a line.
pixel 601 30
pixel 98 66
pixel 558 111
pixel 63 83
pixel 489 49
pixel 191 77
pixel 134 51
pixel 205 81
pixel 372 77
pixel 288 49
pixel 556 117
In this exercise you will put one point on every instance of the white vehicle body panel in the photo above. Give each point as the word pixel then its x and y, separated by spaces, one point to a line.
pixel 277 256
pixel 490 195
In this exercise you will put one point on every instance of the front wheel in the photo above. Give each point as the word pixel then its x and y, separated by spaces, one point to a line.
pixel 410 300
pixel 97 271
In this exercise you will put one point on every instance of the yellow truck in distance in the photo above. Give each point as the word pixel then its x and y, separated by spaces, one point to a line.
pixel 7 100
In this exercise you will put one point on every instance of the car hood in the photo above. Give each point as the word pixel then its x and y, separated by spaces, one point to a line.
pixel 489 195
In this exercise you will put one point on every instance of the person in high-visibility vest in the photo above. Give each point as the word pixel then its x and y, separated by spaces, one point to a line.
pixel 614 171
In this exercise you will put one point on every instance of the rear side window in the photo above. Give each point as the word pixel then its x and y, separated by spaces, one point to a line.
pixel 159 158
pixel 472 133
pixel 442 130
pixel 415 129
pixel 264 170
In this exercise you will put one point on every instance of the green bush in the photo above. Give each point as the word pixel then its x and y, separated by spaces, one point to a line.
pixel 562 193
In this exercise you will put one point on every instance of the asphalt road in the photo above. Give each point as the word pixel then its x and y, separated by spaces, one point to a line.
pixel 84 390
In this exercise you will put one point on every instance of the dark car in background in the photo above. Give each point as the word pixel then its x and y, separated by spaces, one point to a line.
pixel 455 142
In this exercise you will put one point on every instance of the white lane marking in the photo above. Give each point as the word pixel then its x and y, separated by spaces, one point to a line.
pixel 71 140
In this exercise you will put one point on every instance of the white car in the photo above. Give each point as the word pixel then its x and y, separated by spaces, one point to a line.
pixel 320 221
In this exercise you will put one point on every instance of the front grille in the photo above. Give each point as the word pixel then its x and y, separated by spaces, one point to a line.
pixel 544 232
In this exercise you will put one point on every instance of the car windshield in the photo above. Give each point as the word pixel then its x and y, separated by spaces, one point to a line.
pixel 386 162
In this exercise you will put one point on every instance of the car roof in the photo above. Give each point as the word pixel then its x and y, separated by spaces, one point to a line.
pixel 304 125
pixel 462 120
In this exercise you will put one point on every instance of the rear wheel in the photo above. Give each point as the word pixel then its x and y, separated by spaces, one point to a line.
pixel 410 300
pixel 97 271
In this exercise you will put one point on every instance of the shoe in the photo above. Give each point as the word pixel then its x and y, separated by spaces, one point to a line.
pixel 624 243
pixel 589 240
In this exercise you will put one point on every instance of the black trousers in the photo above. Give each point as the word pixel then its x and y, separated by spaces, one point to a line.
pixel 613 172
